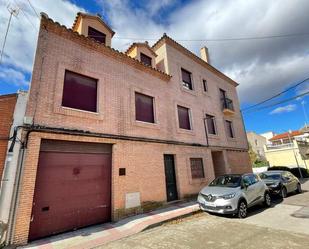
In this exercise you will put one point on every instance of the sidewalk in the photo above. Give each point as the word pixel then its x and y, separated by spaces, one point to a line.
pixel 102 234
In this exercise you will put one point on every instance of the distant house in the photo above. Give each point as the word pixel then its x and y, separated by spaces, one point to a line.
pixel 288 149
pixel 257 143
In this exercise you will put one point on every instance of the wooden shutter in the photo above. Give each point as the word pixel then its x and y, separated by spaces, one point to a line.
pixel 184 118
pixel 211 124
pixel 144 108
pixel 79 92
pixel 97 35
pixel 145 59
pixel 197 168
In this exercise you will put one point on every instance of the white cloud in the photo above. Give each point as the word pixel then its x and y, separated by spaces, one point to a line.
pixel 13 76
pixel 282 109
pixel 22 37
pixel 262 67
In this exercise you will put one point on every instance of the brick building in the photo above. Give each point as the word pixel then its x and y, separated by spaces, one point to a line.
pixel 7 106
pixel 112 133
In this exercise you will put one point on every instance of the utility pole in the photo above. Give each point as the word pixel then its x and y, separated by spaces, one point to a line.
pixel 305 113
pixel 13 12
pixel 300 173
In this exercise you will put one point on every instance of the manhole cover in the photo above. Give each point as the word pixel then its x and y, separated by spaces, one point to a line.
pixel 302 213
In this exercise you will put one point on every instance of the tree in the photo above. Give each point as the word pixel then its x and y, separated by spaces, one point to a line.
pixel 253 156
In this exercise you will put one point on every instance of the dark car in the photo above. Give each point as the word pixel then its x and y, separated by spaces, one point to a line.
pixel 281 182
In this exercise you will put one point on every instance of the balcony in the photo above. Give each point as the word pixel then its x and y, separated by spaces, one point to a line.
pixel 227 106
pixel 280 146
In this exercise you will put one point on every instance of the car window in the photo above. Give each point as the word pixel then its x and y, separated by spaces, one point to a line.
pixel 253 179
pixel 246 180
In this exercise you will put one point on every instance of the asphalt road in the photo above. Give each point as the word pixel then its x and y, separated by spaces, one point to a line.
pixel 284 225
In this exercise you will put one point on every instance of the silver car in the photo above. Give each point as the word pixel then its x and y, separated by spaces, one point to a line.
pixel 233 194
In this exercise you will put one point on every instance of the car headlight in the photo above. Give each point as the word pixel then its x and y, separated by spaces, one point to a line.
pixel 228 196
pixel 275 185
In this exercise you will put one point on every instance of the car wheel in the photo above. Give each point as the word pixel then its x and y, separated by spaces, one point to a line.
pixel 283 192
pixel 242 210
pixel 298 190
pixel 267 200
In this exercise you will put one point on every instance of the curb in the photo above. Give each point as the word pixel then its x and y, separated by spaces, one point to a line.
pixel 171 219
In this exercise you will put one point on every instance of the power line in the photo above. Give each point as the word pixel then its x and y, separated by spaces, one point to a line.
pixel 32 7
pixel 278 103
pixel 275 96
pixel 222 39
pixel 13 12
pixel 26 16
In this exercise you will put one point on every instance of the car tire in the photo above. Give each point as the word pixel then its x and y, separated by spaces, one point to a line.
pixel 267 199
pixel 242 209
pixel 298 190
pixel 283 192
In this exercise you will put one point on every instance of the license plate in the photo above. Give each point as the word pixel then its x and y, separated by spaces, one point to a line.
pixel 211 204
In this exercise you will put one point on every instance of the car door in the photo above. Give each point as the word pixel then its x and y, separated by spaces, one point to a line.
pixel 294 181
pixel 288 181
pixel 248 189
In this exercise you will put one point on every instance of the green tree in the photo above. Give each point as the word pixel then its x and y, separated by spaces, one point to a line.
pixel 253 156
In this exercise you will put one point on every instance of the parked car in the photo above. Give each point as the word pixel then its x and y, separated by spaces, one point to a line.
pixel 233 194
pixel 281 182
pixel 294 170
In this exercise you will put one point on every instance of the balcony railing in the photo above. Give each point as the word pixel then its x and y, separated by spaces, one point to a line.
pixel 227 105
pixel 279 146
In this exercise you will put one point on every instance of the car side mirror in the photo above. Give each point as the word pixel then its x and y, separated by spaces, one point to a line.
pixel 245 185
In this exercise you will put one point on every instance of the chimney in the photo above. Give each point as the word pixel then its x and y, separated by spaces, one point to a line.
pixel 205 54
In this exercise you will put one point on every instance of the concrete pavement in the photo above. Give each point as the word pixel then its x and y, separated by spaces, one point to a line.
pixel 276 227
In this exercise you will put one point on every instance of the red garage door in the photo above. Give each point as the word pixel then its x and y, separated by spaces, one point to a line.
pixel 72 189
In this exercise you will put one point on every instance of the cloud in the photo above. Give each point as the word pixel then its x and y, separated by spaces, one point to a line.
pixel 13 76
pixel 22 36
pixel 282 109
pixel 262 67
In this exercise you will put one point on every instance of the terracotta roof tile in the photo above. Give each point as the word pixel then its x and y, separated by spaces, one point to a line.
pixel 286 135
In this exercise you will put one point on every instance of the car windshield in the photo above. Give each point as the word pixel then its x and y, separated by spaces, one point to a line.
pixel 270 176
pixel 230 181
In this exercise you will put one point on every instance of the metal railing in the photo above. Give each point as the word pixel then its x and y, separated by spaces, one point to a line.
pixel 279 146
pixel 227 104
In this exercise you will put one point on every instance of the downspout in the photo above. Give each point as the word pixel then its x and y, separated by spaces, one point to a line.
pixel 7 187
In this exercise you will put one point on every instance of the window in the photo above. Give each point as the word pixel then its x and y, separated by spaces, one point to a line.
pixel 197 168
pixel 229 128
pixel 183 118
pixel 211 127
pixel 253 179
pixel 97 35
pixel 205 85
pixel 79 92
pixel 144 108
pixel 186 79
pixel 146 59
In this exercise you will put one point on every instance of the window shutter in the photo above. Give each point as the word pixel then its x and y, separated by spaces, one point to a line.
pixel 145 59
pixel 79 92
pixel 144 108
pixel 183 117
pixel 197 168
pixel 211 124
pixel 97 35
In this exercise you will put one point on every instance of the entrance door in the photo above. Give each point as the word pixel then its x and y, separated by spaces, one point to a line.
pixel 73 188
pixel 170 178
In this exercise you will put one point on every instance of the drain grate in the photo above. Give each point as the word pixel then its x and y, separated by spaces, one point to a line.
pixel 302 213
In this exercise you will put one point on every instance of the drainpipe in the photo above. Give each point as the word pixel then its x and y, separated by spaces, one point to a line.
pixel 8 184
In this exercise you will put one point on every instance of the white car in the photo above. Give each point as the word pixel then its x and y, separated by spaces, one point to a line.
pixel 233 194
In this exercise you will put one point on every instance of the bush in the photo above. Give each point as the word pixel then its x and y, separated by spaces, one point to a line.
pixel 294 171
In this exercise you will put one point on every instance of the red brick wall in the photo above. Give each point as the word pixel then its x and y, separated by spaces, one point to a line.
pixel 7 105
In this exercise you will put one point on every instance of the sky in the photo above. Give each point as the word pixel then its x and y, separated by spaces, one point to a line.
pixel 262 67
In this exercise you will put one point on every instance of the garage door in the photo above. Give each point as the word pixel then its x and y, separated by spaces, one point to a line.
pixel 72 189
